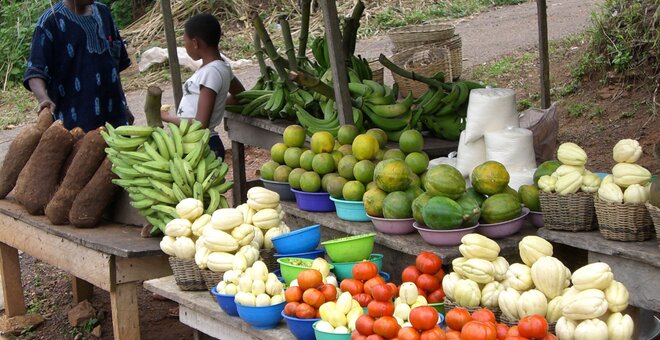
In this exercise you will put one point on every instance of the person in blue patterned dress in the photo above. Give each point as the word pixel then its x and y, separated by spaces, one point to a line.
pixel 74 64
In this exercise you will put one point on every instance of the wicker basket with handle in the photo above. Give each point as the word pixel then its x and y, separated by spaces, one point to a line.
pixel 573 212
pixel 629 222
pixel 211 278
pixel 654 212
pixel 411 36
pixel 187 274
pixel 424 60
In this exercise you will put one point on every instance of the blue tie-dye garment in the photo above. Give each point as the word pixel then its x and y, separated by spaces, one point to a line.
pixel 80 58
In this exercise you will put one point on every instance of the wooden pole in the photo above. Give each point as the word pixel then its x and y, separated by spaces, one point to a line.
pixel 152 106
pixel 339 71
pixel 544 55
pixel 170 35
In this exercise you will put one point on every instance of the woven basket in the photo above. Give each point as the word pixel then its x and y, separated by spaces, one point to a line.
pixel 628 222
pixel 211 278
pixel 654 212
pixel 449 304
pixel 574 212
pixel 186 274
pixel 407 37
pixel 425 60
pixel 503 319
pixel 455 46
pixel 268 256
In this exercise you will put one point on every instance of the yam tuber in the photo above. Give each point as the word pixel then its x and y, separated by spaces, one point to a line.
pixel 90 204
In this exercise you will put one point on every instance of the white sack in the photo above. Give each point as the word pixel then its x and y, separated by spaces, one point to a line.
pixel 490 109
pixel 469 154
pixel 512 146
pixel 521 177
pixel 157 55
pixel 442 160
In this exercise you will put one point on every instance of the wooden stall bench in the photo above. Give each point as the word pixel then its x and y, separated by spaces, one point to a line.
pixel 263 133
pixel 112 257
pixel 200 311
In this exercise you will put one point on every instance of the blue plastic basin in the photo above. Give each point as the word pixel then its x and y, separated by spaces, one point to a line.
pixel 266 317
pixel 313 201
pixel 306 255
pixel 298 241
pixel 301 328
pixel 226 302
pixel 350 210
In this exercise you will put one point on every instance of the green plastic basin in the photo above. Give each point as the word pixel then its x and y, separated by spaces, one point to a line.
pixel 350 248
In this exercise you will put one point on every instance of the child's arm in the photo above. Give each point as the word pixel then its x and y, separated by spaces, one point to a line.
pixel 235 87
pixel 166 118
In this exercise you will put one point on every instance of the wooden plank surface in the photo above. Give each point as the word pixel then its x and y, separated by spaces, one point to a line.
pixel 113 239
pixel 80 289
pixel 141 268
pixel 125 313
pixel 411 244
pixel 201 311
pixel 645 252
pixel 12 288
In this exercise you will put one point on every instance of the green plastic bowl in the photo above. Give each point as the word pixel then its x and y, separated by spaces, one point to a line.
pixel 344 270
pixel 329 336
pixel 292 266
pixel 350 248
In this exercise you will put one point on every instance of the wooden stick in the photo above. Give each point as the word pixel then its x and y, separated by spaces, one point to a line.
pixel 311 82
pixel 288 42
pixel 152 106
pixel 358 10
pixel 279 62
pixel 304 28
pixel 412 75
pixel 170 35
pixel 259 53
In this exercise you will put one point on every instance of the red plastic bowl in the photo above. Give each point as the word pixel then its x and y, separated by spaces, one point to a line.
pixel 503 229
pixel 443 237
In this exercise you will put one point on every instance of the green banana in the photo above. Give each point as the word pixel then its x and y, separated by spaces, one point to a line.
pixel 250 109
pixel 142 204
pixel 452 96
pixel 396 135
pixel 189 173
pixel 166 209
pixel 157 165
pixel 163 176
pixel 111 152
pixel 152 151
pixel 200 172
pixel 176 138
pixel 183 126
pixel 224 187
pixel 378 89
pixel 134 131
pixel 126 173
pixel 210 178
pixel 128 183
pixel 169 142
pixel 393 110
pixel 214 201
pixel 252 94
pixel 119 162
pixel 178 193
pixel 164 188
pixel 198 192
pixel 464 93
pixel 137 197
pixel 223 203
pixel 161 146
pixel 194 126
pixel 156 195
pixel 433 103
pixel 388 124
pixel 359 89
pixel 192 137
pixel 136 156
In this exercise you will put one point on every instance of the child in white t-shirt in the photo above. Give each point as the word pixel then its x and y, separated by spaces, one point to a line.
pixel 212 86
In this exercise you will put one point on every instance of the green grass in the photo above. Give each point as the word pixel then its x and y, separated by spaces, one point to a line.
pixel 584 109
pixel 18 106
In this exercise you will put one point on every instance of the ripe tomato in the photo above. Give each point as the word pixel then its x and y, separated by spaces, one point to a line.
pixel 501 330
pixel 513 331
pixel 382 292
pixel 290 308
pixel 374 337
pixel 456 318
pixel 484 315
pixel 408 333
pixel 365 324
pixel 423 317
pixel 428 262
pixel 410 274
pixel 422 292
pixel 533 326
pixel 293 294
pixel 550 336
pixel 394 288
pixel 357 336
pixel 477 330
pixel 352 286
pixel 434 333
pixel 386 327
pixel 440 274
pixel 371 283
pixel 309 278
pixel 437 295
pixel 305 311
pixel 453 335
pixel 428 282
pixel 329 292
pixel 363 299
pixel 313 297
pixel 365 270
pixel 517 337
pixel 377 309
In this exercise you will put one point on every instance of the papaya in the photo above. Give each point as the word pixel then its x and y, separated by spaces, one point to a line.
pixel 529 196
pixel 373 201
pixel 413 191
pixel 471 209
pixel 477 196
pixel 418 206
pixel 444 180
pixel 490 178
pixel 397 205
pixel 500 208
pixel 442 213
pixel 511 191
pixel 546 168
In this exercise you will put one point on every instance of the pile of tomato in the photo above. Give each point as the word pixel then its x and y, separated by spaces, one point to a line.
pixel 426 274
pixel 365 278
pixel 304 300
pixel 481 325
pixel 424 320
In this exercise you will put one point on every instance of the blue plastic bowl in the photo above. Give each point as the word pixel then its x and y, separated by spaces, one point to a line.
pixel 298 241
pixel 281 188
pixel 278 273
pixel 301 328
pixel 266 317
pixel 385 276
pixel 306 255
pixel 350 210
pixel 344 270
pixel 313 201
pixel 226 302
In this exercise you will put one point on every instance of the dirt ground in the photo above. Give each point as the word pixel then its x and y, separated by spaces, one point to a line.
pixel 612 113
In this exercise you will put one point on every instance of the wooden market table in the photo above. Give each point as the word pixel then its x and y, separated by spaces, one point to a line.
pixel 112 257
pixel 263 133
pixel 200 311
pixel 635 264
pixel 396 247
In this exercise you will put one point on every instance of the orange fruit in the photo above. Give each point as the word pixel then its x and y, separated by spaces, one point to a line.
pixel 347 134
pixel 292 156
pixel 310 181
pixel 346 165
pixel 281 173
pixel 322 141
pixel 323 163
pixel 306 160
pixel 380 136
pixel 277 152
pixel 294 135
pixel 411 141
pixel 417 161
pixel 365 147
pixel 363 171
pixel 336 186
pixel 353 191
